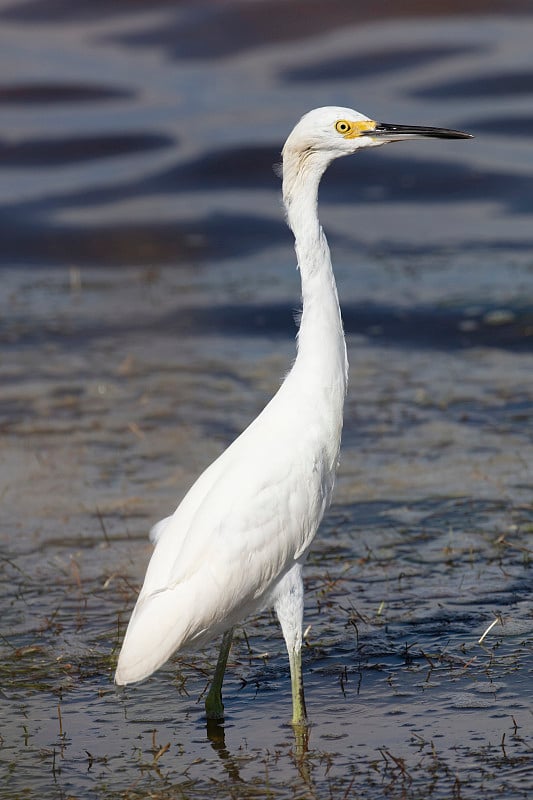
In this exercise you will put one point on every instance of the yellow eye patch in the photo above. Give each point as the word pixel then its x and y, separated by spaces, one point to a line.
pixel 350 130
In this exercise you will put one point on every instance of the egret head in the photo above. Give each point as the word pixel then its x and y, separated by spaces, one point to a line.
pixel 330 132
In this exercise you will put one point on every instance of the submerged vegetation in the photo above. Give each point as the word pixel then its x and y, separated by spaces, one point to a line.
pixel 404 699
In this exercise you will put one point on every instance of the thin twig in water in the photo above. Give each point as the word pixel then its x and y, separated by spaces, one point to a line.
pixel 101 519
pixel 491 626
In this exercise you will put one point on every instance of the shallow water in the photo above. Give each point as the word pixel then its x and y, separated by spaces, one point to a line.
pixel 146 316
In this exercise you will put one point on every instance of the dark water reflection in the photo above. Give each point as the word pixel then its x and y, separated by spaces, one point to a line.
pixel 389 60
pixel 492 85
pixel 146 315
pixel 41 93
pixel 521 126
pixel 427 328
pixel 32 234
pixel 47 153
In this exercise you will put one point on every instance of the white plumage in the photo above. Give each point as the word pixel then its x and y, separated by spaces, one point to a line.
pixel 238 540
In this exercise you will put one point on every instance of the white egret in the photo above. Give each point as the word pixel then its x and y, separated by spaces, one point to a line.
pixel 238 540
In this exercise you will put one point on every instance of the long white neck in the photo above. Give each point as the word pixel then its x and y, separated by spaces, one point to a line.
pixel 321 345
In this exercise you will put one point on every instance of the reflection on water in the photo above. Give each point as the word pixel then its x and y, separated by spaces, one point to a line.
pixel 47 94
pixel 520 126
pixel 492 85
pixel 48 152
pixel 146 315
pixel 377 62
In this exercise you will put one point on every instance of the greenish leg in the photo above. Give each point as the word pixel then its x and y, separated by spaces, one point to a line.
pixel 214 707
pixel 299 714
pixel 289 605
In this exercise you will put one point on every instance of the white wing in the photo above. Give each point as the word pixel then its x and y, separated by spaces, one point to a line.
pixel 239 529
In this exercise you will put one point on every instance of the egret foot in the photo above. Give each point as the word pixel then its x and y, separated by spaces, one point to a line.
pixel 214 707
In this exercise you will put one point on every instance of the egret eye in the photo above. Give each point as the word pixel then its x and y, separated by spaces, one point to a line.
pixel 342 126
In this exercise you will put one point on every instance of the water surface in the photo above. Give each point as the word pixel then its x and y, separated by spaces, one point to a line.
pixel 147 303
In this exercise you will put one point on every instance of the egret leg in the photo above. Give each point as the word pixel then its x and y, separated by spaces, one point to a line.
pixel 214 707
pixel 299 713
pixel 289 605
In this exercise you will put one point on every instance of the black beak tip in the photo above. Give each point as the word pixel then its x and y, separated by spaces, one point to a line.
pixel 459 135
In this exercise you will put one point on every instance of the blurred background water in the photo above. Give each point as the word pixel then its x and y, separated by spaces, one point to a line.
pixel 146 316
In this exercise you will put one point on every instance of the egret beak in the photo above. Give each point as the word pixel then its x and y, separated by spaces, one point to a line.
pixel 395 133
